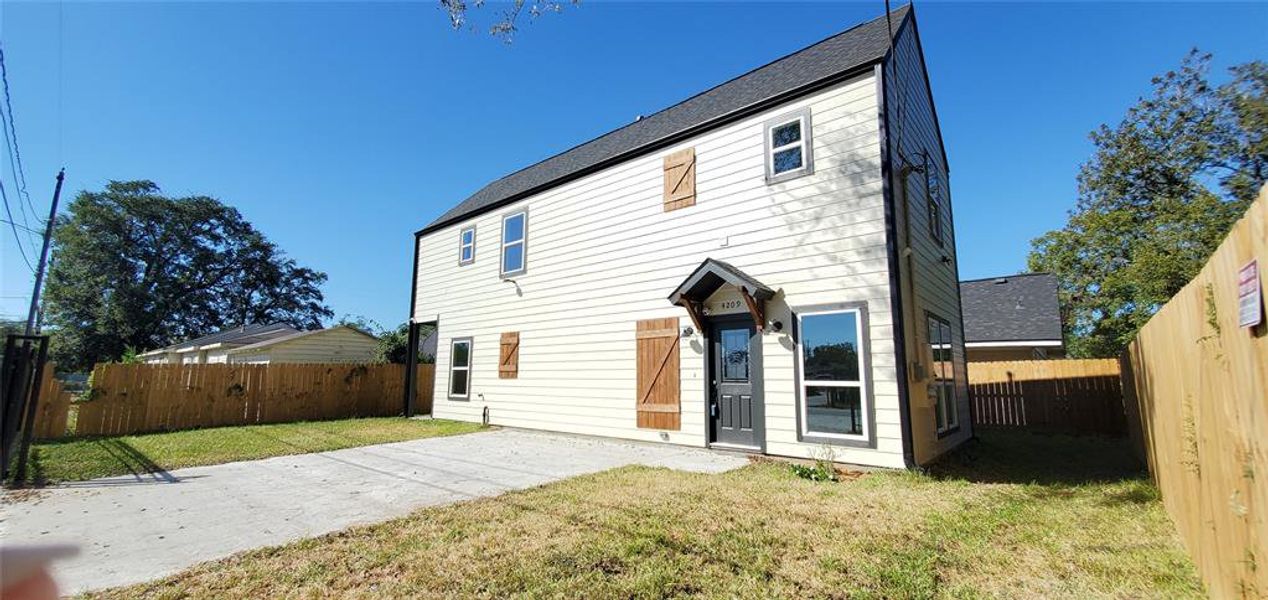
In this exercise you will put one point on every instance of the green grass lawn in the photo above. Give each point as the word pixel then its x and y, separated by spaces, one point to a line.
pixel 1010 516
pixel 79 459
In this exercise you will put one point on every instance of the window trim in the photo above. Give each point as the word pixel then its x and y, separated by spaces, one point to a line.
pixel 802 116
pixel 470 360
pixel 463 245
pixel 868 438
pixel 948 426
pixel 522 242
pixel 933 204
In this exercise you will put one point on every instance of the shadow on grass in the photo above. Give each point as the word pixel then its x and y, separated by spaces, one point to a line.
pixel 126 459
pixel 997 456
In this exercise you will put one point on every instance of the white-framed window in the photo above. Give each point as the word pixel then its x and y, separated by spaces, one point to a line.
pixel 933 195
pixel 514 243
pixel 942 375
pixel 832 368
pixel 460 368
pixel 466 245
pixel 788 146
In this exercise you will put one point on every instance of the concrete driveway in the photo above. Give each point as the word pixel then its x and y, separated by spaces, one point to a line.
pixel 133 529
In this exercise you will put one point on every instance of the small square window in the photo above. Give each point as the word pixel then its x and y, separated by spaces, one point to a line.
pixel 466 246
pixel 788 147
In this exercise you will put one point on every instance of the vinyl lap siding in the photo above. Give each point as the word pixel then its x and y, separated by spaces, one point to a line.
pixel 936 283
pixel 336 345
pixel 603 254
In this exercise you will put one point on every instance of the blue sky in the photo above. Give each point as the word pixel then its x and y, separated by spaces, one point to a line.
pixel 339 129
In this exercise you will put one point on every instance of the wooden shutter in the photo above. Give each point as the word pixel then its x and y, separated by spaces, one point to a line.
pixel 680 179
pixel 657 373
pixel 509 356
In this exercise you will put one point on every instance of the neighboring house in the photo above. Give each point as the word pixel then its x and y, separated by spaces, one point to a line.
pixel 214 348
pixel 767 266
pixel 339 344
pixel 1017 317
pixel 276 343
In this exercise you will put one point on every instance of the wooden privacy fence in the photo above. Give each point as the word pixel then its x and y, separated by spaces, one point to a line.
pixel 53 409
pixel 127 399
pixel 1197 398
pixel 1070 396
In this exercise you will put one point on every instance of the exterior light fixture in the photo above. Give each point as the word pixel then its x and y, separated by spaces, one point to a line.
pixel 688 331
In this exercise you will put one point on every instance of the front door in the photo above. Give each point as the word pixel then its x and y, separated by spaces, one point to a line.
pixel 735 398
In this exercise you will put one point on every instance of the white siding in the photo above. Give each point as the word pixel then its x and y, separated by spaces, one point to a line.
pixel 933 281
pixel 602 254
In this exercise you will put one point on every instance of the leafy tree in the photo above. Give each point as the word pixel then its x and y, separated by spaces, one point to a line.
pixel 135 268
pixel 1160 192
pixel 394 346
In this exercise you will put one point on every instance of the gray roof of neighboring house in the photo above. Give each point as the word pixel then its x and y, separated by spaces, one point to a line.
pixel 298 334
pixel 247 334
pixel 842 53
pixel 1012 308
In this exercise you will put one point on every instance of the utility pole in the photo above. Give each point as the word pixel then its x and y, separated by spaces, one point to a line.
pixel 39 271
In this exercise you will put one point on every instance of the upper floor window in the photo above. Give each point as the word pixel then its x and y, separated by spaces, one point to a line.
pixel 933 194
pixel 946 415
pixel 514 246
pixel 834 401
pixel 466 246
pixel 788 146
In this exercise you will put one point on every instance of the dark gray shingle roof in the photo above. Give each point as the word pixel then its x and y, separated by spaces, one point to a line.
pixel 1012 308
pixel 248 334
pixel 841 53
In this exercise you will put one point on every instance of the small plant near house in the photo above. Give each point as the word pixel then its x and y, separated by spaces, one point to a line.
pixel 823 468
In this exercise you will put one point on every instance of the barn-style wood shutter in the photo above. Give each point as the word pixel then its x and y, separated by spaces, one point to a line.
pixel 657 373
pixel 509 356
pixel 680 179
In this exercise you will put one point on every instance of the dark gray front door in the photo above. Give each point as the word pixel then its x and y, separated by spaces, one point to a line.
pixel 735 403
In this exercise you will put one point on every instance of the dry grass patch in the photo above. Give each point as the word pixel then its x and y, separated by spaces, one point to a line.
pixel 967 530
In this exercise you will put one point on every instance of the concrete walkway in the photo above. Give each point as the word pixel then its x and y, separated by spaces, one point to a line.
pixel 133 529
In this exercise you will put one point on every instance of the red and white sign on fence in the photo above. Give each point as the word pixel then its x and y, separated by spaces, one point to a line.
pixel 1249 302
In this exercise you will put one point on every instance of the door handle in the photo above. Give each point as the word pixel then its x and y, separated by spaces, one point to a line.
pixel 713 409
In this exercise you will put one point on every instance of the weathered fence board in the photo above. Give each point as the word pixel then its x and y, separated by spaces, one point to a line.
pixel 1197 390
pixel 126 399
pixel 53 409
pixel 1071 396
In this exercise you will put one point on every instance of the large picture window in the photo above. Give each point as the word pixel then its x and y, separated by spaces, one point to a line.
pixel 942 372
pixel 514 235
pixel 833 374
pixel 460 368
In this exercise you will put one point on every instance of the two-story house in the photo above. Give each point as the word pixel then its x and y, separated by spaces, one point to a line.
pixel 767 266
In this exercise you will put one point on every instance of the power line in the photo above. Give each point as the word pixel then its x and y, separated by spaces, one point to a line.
pixel 23 227
pixel 15 163
pixel 17 238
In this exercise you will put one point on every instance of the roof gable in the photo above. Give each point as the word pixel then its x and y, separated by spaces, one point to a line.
pixel 840 54
pixel 1014 308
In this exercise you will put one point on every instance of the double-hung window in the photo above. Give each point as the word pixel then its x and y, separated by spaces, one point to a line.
pixel 514 243
pixel 466 246
pixel 460 368
pixel 788 146
pixel 833 373
pixel 943 375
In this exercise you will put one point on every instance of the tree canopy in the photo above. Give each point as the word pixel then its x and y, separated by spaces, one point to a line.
pixel 134 268
pixel 1160 192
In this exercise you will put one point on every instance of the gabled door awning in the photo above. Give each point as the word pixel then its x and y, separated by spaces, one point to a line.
pixel 713 274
